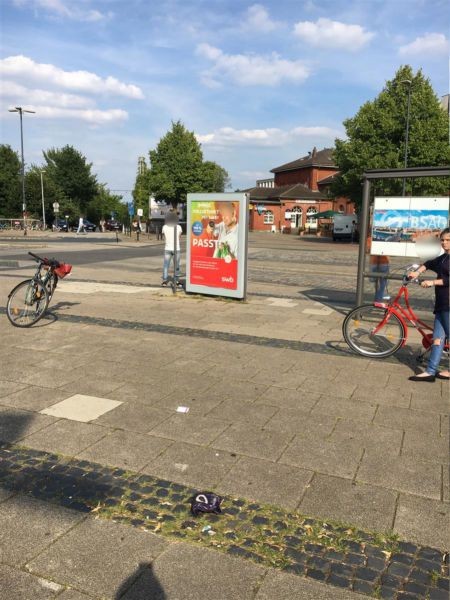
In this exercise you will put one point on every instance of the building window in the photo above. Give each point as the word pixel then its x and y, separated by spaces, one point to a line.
pixel 341 208
pixel 310 221
pixel 296 216
pixel 268 217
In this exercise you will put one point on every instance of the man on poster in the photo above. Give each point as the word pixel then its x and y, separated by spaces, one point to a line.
pixel 225 232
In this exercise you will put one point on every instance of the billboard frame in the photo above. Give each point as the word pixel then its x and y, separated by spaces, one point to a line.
pixel 240 292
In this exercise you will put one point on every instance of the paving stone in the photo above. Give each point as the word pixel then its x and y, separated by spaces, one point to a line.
pixel 97 556
pixel 5 494
pixel 81 408
pixel 175 574
pixel 27 526
pixel 369 435
pixel 70 594
pixel 265 481
pixel 301 423
pixel 134 417
pixel 252 441
pixel 362 505
pixel 236 410
pixel 66 437
pixel 191 429
pixel 379 393
pixel 402 473
pixel 198 402
pixel 342 407
pixel 284 586
pixel 191 465
pixel 17 585
pixel 240 390
pixel 322 386
pixel 437 404
pixel 291 380
pixel 145 393
pixel 33 398
pixel 422 520
pixel 323 456
pixel 404 418
pixel 125 449
pixel 288 398
pixel 433 448
pixel 16 424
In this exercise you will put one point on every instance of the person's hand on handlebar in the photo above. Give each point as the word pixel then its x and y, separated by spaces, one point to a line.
pixel 414 274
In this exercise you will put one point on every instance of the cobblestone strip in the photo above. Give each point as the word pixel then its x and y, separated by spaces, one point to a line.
pixel 378 565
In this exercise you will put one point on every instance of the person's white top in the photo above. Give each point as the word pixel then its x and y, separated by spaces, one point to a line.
pixel 80 221
pixel 168 233
pixel 230 237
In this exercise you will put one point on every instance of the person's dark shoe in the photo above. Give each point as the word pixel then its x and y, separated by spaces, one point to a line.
pixel 164 283
pixel 444 377
pixel 429 378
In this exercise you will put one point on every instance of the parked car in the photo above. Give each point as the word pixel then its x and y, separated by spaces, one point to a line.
pixel 113 225
pixel 88 226
pixel 60 225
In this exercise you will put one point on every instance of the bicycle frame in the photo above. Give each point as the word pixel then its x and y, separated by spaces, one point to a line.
pixel 405 314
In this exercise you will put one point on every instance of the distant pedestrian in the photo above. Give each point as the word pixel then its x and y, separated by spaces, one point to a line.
pixel 172 233
pixel 81 227
pixel 102 224
pixel 440 266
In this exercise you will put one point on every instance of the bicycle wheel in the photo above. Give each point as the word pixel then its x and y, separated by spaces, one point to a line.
pixel 27 303
pixel 367 334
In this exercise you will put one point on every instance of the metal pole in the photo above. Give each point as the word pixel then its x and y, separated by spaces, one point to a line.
pixel 363 229
pixel 43 202
pixel 24 204
pixel 407 131
pixel 175 258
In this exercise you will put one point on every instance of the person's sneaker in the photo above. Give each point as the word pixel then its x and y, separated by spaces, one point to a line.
pixel 164 283
pixel 179 283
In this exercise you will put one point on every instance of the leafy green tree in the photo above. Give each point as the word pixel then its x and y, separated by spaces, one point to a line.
pixel 33 194
pixel 10 183
pixel 376 139
pixel 214 177
pixel 141 190
pixel 68 168
pixel 104 204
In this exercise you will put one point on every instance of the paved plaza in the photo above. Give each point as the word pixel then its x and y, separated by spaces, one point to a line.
pixel 330 465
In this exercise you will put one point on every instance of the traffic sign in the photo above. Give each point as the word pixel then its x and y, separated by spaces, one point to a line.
pixel 56 207
pixel 131 209
pixel 140 212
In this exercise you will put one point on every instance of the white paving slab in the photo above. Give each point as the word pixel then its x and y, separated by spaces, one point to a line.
pixel 284 302
pixel 319 309
pixel 91 287
pixel 81 408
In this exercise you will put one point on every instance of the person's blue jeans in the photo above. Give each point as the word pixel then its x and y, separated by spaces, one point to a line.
pixel 440 332
pixel 168 258
pixel 380 282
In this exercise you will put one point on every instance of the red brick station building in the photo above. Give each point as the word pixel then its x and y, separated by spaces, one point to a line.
pixel 299 190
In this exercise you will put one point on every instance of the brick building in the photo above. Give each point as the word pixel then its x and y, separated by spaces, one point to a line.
pixel 299 190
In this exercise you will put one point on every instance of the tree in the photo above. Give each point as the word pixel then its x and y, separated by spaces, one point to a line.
pixel 69 170
pixel 33 194
pixel 10 183
pixel 214 177
pixel 104 204
pixel 141 191
pixel 376 139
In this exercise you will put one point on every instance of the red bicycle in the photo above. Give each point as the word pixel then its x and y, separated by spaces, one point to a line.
pixel 378 330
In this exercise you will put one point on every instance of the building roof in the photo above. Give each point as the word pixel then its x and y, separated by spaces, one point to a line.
pixel 284 192
pixel 316 158
pixel 327 180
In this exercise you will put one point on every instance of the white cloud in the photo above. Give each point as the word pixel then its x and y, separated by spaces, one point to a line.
pixel 93 116
pixel 257 19
pixel 251 69
pixel 430 43
pixel 23 95
pixel 270 137
pixel 325 33
pixel 61 9
pixel 22 67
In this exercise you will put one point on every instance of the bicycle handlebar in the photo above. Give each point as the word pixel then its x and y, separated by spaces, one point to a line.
pixel 51 262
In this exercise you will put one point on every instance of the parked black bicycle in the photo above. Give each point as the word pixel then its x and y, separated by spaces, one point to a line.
pixel 29 300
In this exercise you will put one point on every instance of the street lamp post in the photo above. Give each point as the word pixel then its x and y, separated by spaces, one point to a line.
pixel 20 110
pixel 43 202
pixel 409 82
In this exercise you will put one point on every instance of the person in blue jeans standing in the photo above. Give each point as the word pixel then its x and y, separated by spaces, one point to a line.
pixel 172 233
pixel 440 266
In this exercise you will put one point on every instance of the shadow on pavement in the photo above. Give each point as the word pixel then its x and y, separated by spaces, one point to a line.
pixel 13 424
pixel 141 585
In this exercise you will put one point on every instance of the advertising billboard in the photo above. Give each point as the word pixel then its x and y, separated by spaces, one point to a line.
pixel 408 226
pixel 216 253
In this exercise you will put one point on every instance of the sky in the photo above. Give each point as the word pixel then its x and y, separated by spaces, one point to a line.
pixel 260 83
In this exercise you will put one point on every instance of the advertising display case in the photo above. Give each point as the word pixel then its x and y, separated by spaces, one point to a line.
pixel 217 236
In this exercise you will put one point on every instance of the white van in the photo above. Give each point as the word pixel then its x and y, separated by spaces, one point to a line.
pixel 345 227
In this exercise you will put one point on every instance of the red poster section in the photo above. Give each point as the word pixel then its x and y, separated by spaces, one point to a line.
pixel 214 272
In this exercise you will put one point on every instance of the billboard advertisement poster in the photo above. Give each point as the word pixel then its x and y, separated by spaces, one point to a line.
pixel 408 227
pixel 216 254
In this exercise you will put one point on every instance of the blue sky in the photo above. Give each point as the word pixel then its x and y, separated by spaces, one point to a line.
pixel 259 83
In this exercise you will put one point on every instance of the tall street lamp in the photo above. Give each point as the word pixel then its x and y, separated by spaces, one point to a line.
pixel 409 82
pixel 20 110
pixel 43 202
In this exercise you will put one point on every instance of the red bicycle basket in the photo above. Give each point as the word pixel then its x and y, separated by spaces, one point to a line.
pixel 63 270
